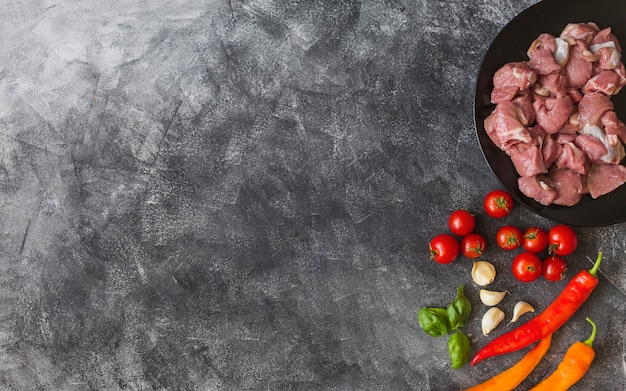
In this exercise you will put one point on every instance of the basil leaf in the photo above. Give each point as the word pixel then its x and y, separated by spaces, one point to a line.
pixel 459 349
pixel 434 321
pixel 459 310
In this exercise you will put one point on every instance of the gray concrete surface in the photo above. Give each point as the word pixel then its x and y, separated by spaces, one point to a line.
pixel 238 195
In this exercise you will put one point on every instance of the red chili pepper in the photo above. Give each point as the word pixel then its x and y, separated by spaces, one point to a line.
pixel 554 316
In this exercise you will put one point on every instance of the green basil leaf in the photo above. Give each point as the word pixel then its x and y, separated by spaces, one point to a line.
pixel 459 349
pixel 439 310
pixel 459 310
pixel 434 321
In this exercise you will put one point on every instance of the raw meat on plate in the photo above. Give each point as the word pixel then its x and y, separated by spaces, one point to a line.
pixel 613 147
pixel 607 82
pixel 511 79
pixel 592 107
pixel 570 186
pixel 613 125
pixel 553 113
pixel 604 178
pixel 547 54
pixel 555 119
pixel 585 32
pixel 579 67
pixel 506 126
pixel 538 187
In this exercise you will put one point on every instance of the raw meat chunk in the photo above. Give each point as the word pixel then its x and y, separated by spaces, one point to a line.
pixel 539 188
pixel 504 126
pixel 592 107
pixel 542 55
pixel 527 159
pixel 550 150
pixel 554 85
pixel 579 67
pixel 503 94
pixel 614 149
pixel 606 46
pixel 527 113
pixel 516 76
pixel 575 94
pixel 592 146
pixel 569 186
pixel 573 158
pixel 606 82
pixel 553 113
pixel 604 178
pixel 613 125
pixel 579 31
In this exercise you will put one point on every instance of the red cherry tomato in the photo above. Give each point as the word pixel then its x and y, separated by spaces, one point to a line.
pixel 554 268
pixel 498 203
pixel 509 237
pixel 562 240
pixel 535 240
pixel 444 248
pixel 461 222
pixel 526 267
pixel 473 245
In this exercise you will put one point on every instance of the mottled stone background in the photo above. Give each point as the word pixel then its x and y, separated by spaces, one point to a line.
pixel 238 195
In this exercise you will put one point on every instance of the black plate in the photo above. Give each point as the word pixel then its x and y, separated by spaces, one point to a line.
pixel 511 44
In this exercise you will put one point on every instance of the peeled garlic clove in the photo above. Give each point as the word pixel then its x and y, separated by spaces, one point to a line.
pixel 491 319
pixel 520 309
pixel 491 298
pixel 483 273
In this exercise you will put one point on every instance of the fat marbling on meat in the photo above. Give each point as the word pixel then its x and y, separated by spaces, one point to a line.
pixel 510 80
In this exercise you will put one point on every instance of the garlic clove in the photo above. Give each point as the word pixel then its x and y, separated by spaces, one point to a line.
pixel 520 309
pixel 491 319
pixel 491 298
pixel 483 273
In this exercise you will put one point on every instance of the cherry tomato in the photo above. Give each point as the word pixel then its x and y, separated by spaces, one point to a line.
pixel 562 240
pixel 554 268
pixel 444 248
pixel 509 237
pixel 526 267
pixel 535 240
pixel 461 222
pixel 473 245
pixel 498 203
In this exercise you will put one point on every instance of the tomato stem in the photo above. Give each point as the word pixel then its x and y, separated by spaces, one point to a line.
pixel 501 201
pixel 596 265
pixel 533 233
pixel 552 249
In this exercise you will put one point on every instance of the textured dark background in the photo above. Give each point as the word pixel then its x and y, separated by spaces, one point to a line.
pixel 238 195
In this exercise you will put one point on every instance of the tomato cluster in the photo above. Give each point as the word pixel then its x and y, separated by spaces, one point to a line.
pixel 445 248
pixel 559 241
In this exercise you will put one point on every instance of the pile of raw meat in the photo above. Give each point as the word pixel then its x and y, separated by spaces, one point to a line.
pixel 554 116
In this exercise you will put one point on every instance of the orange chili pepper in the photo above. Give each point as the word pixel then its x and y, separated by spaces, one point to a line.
pixel 513 376
pixel 575 364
